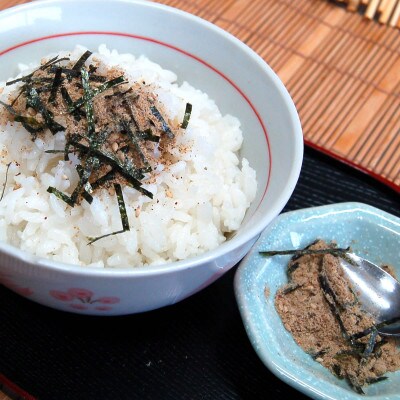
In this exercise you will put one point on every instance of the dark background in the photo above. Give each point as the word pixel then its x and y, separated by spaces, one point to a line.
pixel 197 349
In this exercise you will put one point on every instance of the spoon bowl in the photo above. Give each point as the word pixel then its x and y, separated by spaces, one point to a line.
pixel 377 290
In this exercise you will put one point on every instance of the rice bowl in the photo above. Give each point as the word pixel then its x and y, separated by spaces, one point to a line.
pixel 246 88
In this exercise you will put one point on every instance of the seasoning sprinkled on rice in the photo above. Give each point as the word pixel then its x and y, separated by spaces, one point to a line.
pixel 108 149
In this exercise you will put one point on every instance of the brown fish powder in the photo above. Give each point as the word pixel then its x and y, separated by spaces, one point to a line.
pixel 319 308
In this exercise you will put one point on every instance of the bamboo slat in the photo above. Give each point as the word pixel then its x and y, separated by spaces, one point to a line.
pixel 385 11
pixel 342 70
pixel 9 3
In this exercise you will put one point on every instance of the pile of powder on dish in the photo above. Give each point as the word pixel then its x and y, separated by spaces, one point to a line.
pixel 319 308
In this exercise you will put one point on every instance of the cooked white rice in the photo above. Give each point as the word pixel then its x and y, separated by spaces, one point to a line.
pixel 196 201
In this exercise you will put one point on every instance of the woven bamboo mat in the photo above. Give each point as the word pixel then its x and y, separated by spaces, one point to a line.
pixel 342 70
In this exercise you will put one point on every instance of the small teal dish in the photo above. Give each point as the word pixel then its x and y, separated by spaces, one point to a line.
pixel 371 233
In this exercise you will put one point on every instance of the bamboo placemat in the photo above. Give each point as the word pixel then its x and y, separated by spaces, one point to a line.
pixel 342 70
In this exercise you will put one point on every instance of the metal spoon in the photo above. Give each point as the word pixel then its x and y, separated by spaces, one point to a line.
pixel 378 292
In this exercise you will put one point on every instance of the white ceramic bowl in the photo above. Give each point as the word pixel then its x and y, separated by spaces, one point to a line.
pixel 210 59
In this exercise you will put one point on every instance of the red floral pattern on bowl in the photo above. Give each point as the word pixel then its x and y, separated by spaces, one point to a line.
pixel 83 299
pixel 7 280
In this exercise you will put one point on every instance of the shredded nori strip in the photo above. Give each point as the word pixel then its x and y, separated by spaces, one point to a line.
pixel 61 195
pixel 298 253
pixel 354 385
pixel 105 178
pixel 291 268
pixel 79 64
pixel 166 129
pixel 186 118
pixel 86 193
pixel 29 123
pixel 5 181
pixel 348 353
pixel 122 208
pixel 370 381
pixel 87 96
pixel 91 163
pixel 66 97
pixel 148 135
pixel 134 140
pixel 97 78
pixel 68 101
pixel 330 298
pixel 8 108
pixel 21 91
pixel 56 84
pixel 316 354
pixel 27 78
pixel 291 288
pixel 369 348
pixel 122 212
pixel 367 331
pixel 336 369
pixel 54 151
pixel 36 103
